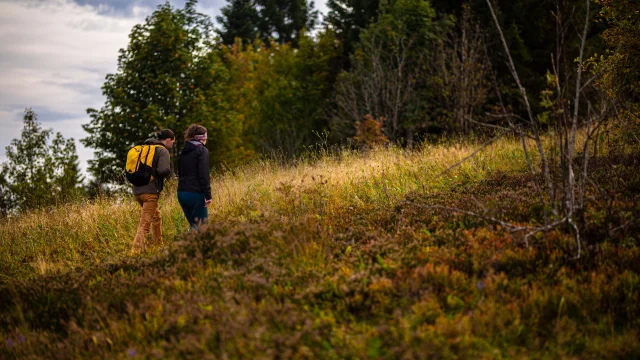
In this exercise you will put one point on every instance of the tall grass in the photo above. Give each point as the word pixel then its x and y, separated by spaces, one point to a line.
pixel 339 255
pixel 85 233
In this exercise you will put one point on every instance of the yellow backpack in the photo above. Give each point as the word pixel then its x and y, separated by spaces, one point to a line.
pixel 139 167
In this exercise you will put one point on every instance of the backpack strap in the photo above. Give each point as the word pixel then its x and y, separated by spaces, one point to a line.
pixel 139 157
pixel 147 157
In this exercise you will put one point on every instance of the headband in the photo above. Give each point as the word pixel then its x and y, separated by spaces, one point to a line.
pixel 200 137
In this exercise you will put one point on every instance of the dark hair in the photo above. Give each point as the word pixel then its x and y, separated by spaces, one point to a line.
pixel 166 134
pixel 194 130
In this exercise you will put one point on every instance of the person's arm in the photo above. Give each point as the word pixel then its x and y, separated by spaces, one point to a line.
pixel 203 173
pixel 164 165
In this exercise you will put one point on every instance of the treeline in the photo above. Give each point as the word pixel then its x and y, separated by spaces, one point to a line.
pixel 274 78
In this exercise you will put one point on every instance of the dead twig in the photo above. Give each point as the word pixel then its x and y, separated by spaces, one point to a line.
pixel 525 98
pixel 543 228
pixel 512 227
pixel 483 146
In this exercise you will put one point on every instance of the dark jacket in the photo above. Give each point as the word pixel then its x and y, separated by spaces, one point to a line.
pixel 193 169
pixel 161 168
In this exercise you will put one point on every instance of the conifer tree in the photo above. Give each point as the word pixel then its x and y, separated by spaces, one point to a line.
pixel 347 18
pixel 283 20
pixel 239 19
pixel 280 20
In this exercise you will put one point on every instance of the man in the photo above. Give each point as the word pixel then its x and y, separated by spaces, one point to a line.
pixel 148 195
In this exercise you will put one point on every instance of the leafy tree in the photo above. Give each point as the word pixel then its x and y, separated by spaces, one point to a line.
pixel 38 172
pixel 239 19
pixel 167 77
pixel 622 67
pixel 281 93
pixel 214 109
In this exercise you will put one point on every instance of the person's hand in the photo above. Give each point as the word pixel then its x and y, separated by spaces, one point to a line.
pixel 207 202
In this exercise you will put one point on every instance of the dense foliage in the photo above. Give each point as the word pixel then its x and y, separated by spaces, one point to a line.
pixel 266 85
pixel 280 92
pixel 622 66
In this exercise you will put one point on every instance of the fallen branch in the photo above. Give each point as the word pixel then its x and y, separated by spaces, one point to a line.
pixel 512 227
pixel 470 155
pixel 543 228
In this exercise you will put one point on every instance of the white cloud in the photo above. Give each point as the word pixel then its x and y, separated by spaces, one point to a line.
pixel 55 57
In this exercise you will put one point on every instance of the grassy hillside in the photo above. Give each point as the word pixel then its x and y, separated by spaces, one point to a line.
pixel 341 256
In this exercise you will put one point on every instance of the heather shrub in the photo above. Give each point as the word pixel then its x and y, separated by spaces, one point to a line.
pixel 342 256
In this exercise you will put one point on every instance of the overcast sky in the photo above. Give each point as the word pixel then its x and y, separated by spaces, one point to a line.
pixel 55 55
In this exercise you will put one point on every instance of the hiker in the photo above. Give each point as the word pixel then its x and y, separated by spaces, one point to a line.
pixel 194 186
pixel 147 195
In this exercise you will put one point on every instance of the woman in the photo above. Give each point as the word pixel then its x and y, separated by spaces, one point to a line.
pixel 194 187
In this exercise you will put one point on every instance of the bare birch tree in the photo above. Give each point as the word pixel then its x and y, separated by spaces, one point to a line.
pixel 387 70
pixel 382 82
pixel 564 192
pixel 459 70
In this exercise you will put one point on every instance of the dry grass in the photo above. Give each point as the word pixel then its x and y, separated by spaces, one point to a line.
pixel 77 235
pixel 341 255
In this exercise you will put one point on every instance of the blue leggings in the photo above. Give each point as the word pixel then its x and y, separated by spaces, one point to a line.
pixel 193 207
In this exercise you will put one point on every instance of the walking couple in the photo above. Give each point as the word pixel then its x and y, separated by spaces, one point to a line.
pixel 194 187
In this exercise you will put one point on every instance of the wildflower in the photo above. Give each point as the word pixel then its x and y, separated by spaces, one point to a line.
pixel 132 352
pixel 21 339
pixel 9 343
pixel 480 285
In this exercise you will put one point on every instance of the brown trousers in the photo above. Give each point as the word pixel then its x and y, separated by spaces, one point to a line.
pixel 150 218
